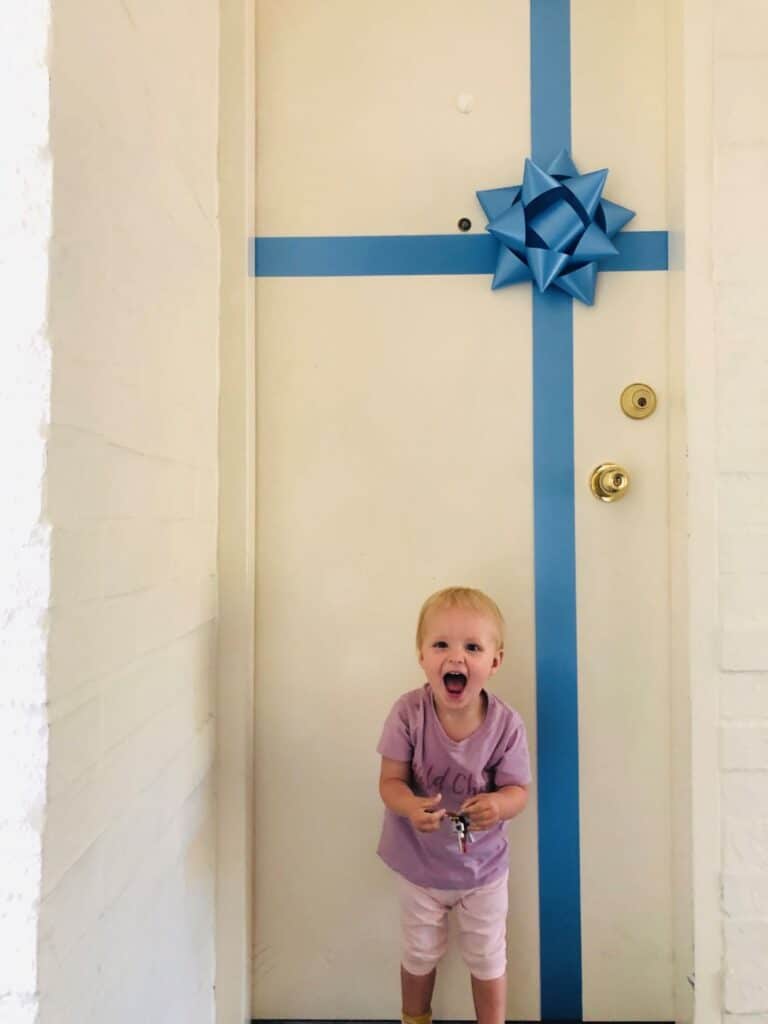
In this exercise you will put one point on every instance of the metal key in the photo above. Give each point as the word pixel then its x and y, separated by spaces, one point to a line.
pixel 460 824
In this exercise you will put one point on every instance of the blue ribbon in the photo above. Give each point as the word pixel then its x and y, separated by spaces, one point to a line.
pixel 557 720
pixel 405 255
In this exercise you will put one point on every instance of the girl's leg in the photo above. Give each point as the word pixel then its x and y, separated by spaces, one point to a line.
pixel 424 935
pixel 490 998
pixel 482 915
pixel 417 992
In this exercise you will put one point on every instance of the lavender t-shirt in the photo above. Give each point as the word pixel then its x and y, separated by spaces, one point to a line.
pixel 495 755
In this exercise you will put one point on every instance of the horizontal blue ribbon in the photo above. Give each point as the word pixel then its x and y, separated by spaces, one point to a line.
pixel 376 255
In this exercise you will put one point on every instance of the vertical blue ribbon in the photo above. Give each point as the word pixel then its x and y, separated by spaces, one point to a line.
pixel 550 79
pixel 555 556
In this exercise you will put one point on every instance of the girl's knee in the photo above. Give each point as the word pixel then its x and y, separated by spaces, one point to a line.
pixel 486 966
pixel 421 960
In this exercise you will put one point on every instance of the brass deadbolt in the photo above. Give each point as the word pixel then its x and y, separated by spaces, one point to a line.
pixel 609 482
pixel 638 401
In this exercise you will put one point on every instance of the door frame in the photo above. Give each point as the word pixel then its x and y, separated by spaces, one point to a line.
pixel 237 517
pixel 693 528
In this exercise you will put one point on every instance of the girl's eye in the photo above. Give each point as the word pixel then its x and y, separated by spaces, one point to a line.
pixel 440 643
pixel 474 648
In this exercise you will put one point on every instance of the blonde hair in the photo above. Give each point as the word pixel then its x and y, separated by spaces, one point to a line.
pixel 461 597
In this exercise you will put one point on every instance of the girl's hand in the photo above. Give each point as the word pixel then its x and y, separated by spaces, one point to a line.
pixel 422 817
pixel 483 810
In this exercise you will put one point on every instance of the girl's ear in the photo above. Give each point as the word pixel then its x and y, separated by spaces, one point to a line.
pixel 498 660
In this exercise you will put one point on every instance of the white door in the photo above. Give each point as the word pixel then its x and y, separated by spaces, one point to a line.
pixel 396 456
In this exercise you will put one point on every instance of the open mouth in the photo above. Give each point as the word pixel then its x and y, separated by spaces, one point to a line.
pixel 454 683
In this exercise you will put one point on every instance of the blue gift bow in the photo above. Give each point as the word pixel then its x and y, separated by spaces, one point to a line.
pixel 555 228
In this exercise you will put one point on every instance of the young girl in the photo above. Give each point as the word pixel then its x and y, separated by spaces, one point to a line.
pixel 452 748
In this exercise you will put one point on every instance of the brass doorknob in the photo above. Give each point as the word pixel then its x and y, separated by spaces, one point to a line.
pixel 609 482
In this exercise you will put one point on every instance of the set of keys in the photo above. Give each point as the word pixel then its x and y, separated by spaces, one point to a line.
pixel 460 825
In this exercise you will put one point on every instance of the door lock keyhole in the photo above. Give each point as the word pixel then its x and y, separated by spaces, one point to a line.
pixel 609 482
pixel 638 401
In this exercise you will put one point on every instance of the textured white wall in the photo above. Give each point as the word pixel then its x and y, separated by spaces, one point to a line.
pixel 25 227
pixel 740 226
pixel 127 917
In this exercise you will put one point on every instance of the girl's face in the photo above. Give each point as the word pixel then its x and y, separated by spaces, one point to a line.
pixel 459 653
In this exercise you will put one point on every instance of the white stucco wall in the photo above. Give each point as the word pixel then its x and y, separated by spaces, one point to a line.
pixel 740 222
pixel 127 917
pixel 25 226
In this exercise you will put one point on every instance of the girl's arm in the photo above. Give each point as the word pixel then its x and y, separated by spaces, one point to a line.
pixel 512 800
pixel 486 809
pixel 395 791
pixel 394 787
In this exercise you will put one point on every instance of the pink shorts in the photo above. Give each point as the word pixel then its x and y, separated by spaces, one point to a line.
pixel 482 919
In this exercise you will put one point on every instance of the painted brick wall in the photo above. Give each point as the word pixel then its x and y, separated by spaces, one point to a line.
pixel 25 228
pixel 740 226
pixel 127 919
